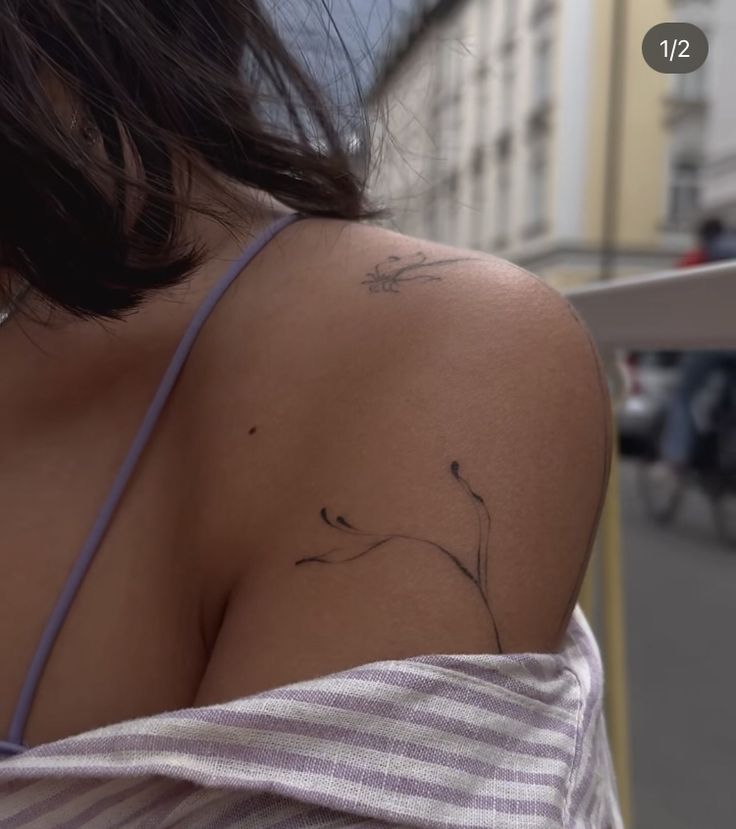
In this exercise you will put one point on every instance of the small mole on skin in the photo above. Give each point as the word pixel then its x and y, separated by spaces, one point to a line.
pixel 252 431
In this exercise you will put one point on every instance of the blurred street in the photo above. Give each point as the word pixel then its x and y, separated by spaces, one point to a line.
pixel 681 596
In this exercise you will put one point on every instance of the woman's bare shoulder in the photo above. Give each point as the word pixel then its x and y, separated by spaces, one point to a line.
pixel 444 483
pixel 482 363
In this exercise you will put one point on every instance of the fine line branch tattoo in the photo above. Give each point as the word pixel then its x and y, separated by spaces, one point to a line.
pixel 373 540
pixel 388 275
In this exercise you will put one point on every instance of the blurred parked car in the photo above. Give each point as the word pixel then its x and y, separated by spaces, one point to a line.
pixel 650 377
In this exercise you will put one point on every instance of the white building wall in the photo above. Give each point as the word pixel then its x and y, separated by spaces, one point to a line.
pixel 689 110
pixel 467 88
pixel 405 144
pixel 720 173
pixel 575 45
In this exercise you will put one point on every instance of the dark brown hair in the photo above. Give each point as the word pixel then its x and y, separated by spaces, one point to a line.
pixel 172 84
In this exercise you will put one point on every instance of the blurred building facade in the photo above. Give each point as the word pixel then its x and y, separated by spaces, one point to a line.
pixel 719 174
pixel 500 135
pixel 687 115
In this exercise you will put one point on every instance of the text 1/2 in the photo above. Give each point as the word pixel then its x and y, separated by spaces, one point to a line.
pixel 675 49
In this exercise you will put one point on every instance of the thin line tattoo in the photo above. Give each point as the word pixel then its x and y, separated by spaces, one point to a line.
pixel 478 574
pixel 388 275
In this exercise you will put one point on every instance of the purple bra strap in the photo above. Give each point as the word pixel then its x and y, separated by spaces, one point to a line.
pixel 105 516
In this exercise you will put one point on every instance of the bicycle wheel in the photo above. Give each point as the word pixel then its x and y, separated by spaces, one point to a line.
pixel 724 498
pixel 724 516
pixel 661 491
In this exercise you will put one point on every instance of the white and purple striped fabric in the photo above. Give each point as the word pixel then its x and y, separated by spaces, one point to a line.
pixel 471 742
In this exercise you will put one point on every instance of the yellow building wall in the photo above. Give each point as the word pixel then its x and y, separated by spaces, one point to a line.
pixel 642 183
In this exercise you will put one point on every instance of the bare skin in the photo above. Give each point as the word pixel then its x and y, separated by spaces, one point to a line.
pixel 311 396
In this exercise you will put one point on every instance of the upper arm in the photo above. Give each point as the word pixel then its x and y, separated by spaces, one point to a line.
pixel 547 462
pixel 447 496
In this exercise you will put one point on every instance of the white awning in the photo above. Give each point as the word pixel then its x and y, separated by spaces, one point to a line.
pixel 693 308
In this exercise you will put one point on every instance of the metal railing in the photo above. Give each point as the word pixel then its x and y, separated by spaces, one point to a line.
pixel 674 310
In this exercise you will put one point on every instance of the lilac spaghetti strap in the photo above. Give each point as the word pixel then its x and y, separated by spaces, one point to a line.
pixel 22 710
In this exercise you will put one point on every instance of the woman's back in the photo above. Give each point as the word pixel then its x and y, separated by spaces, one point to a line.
pixel 370 448
pixel 135 638
pixel 314 386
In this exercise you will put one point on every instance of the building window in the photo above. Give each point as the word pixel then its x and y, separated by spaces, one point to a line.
pixel 689 87
pixel 455 65
pixel 479 166
pixel 483 103
pixel 444 67
pixel 449 98
pixel 452 209
pixel 542 73
pixel 541 8
pixel 484 30
pixel 441 233
pixel 684 192
pixel 478 173
pixel 444 134
pixel 430 214
pixel 503 202
pixel 537 189
pixel 508 78
pixel 510 15
pixel 484 77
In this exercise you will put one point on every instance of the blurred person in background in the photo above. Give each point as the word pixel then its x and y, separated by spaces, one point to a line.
pixel 707 233
pixel 680 433
pixel 715 243
pixel 722 246
pixel 284 495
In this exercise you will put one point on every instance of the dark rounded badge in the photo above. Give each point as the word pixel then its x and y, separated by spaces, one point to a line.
pixel 675 48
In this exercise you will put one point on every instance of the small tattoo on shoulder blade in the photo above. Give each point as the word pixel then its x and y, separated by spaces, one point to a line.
pixel 394 271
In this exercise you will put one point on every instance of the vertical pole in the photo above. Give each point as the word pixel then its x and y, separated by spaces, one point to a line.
pixel 614 638
pixel 588 598
pixel 614 132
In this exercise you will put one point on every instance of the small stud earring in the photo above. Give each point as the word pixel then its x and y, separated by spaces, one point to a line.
pixel 85 129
